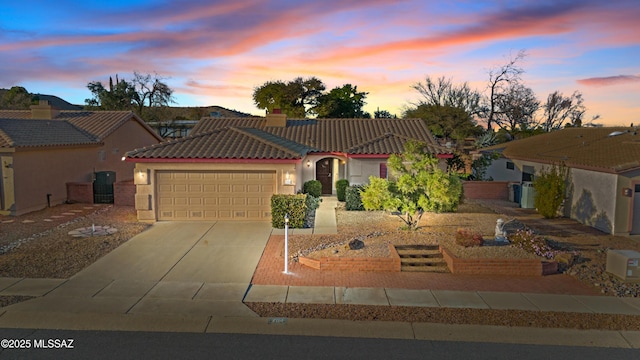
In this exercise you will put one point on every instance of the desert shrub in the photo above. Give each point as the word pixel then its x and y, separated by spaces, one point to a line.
pixel 293 205
pixel 530 242
pixel 377 195
pixel 312 187
pixel 467 238
pixel 352 198
pixel 550 188
pixel 341 187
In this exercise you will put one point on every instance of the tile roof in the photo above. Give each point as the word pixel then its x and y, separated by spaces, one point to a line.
pixel 588 148
pixel 299 136
pixel 22 133
pixel 224 143
pixel 96 125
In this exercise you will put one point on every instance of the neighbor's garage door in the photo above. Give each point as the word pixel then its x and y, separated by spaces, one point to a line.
pixel 215 195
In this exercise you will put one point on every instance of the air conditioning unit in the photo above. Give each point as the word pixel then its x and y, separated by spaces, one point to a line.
pixel 624 264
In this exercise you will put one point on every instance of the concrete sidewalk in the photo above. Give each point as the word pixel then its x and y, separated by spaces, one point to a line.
pixel 444 299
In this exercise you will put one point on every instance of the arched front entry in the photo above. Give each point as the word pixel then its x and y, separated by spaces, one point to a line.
pixel 324 174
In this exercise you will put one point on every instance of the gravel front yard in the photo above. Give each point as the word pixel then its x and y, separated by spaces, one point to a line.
pixel 33 247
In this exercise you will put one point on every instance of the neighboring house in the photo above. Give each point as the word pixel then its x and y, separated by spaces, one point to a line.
pixel 228 168
pixel 604 169
pixel 43 149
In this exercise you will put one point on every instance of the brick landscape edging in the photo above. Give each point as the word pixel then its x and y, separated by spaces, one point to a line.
pixel 513 267
pixel 388 264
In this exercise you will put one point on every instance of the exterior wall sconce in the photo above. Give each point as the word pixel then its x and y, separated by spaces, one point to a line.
pixel 289 179
pixel 308 163
pixel 141 177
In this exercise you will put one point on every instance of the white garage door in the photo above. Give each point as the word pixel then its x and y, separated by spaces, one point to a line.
pixel 215 195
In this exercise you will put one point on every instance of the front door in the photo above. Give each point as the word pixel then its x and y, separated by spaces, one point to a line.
pixel 324 174
pixel 635 227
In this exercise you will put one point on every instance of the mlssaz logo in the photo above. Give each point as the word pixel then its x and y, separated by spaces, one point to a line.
pixel 53 344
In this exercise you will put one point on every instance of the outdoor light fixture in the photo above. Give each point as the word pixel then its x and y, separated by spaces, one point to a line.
pixel 308 163
pixel 124 158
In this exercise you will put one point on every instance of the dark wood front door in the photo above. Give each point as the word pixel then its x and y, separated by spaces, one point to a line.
pixel 324 174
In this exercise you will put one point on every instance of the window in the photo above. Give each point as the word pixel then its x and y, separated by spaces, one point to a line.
pixel 510 165
pixel 383 170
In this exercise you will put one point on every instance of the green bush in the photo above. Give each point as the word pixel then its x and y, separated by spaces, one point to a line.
pixel 377 195
pixel 341 187
pixel 352 198
pixel 550 187
pixel 313 188
pixel 293 205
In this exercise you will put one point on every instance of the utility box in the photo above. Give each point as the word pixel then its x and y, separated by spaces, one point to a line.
pixel 624 264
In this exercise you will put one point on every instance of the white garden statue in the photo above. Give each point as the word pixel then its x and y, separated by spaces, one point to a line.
pixel 500 233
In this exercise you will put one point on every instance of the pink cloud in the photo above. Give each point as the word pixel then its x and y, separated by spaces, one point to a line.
pixel 610 80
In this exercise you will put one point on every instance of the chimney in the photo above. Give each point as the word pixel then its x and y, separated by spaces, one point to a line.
pixel 276 118
pixel 44 111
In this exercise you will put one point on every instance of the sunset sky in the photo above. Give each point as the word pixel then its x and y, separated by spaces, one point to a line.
pixel 216 52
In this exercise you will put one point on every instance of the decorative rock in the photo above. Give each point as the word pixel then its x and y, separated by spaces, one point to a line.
pixel 47 220
pixel 356 244
pixel 68 213
pixel 27 221
pixel 7 221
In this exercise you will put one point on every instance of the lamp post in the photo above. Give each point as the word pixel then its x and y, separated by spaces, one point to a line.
pixel 286 243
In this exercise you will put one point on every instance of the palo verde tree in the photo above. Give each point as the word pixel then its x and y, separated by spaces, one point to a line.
pixel 419 186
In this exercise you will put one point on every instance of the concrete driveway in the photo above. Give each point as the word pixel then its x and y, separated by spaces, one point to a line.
pixel 194 269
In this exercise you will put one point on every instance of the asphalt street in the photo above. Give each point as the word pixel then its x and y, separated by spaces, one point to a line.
pixel 57 344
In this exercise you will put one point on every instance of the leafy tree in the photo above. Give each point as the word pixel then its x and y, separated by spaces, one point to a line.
pixel 550 186
pixel 16 98
pixel 342 102
pixel 499 80
pixel 419 186
pixel 296 98
pixel 115 97
pixel 445 121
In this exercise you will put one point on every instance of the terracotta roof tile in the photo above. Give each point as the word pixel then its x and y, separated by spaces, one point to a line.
pixel 588 148
pixel 361 136
pixel 224 143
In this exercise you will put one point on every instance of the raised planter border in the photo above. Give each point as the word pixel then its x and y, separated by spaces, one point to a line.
pixel 512 267
pixel 387 264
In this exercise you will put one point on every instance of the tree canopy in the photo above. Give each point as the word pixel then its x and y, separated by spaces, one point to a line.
pixel 342 102
pixel 296 98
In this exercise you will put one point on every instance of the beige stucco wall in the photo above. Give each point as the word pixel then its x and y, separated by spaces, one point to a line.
pixel 46 170
pixel 594 196
pixel 359 170
pixel 145 179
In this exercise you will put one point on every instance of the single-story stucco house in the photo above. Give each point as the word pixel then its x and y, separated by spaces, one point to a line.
pixel 604 168
pixel 228 168
pixel 44 149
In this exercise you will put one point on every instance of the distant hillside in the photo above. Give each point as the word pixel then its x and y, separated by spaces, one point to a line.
pixel 52 99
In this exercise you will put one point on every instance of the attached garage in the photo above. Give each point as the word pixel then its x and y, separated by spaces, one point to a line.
pixel 214 195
